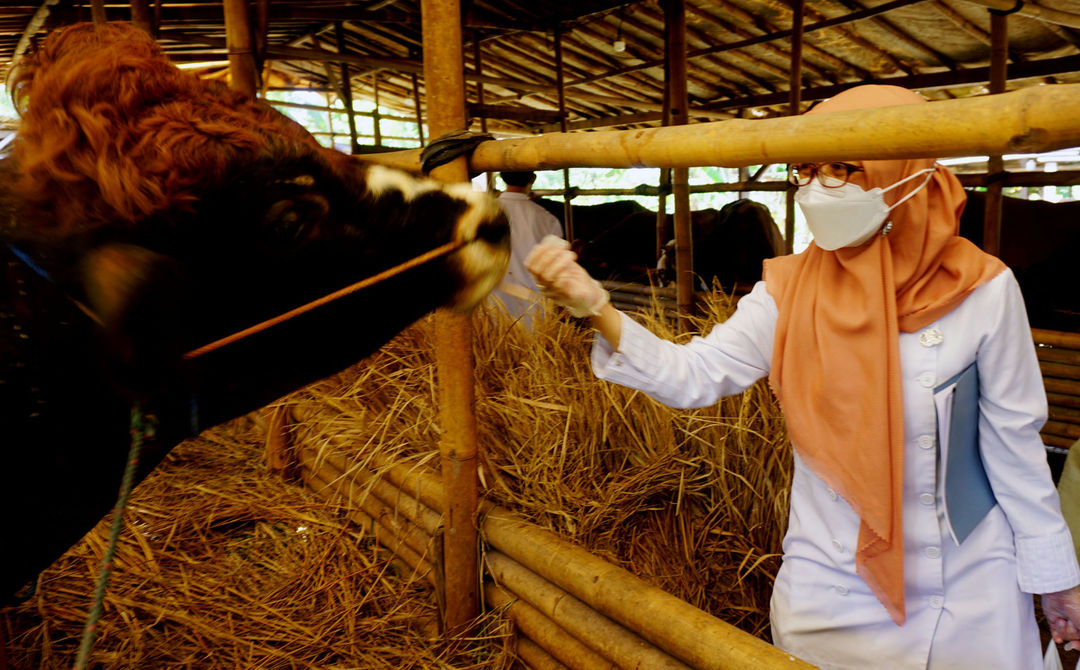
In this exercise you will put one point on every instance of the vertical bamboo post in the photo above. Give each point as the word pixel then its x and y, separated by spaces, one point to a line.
pixel 330 120
pixel 478 67
pixel 444 78
pixel 279 454
pixel 675 23
pixel 995 168
pixel 242 71
pixel 97 11
pixel 262 36
pixel 375 117
pixel 140 15
pixel 346 89
pixel 794 108
pixel 419 111
pixel 663 222
pixel 568 208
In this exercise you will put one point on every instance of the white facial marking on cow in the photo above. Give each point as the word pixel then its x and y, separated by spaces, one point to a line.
pixel 481 263
pixel 381 180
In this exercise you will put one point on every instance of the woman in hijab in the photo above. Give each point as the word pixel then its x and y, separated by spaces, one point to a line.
pixel 897 350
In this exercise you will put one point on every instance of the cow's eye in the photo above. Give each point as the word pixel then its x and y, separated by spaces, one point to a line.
pixel 296 219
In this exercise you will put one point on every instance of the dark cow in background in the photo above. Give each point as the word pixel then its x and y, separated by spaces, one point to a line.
pixel 618 241
pixel 146 213
pixel 1040 241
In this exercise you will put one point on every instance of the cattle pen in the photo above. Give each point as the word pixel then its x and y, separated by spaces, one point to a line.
pixel 535 567
pixel 426 446
pixel 567 589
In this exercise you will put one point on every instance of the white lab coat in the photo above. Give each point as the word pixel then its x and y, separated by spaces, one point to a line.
pixel 968 606
pixel 529 223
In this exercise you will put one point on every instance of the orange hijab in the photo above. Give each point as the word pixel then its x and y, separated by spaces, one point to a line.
pixel 836 359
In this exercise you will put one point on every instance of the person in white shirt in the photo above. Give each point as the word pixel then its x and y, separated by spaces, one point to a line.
pixel 861 336
pixel 529 223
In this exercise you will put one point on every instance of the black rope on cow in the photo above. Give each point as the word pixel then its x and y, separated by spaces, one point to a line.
pixel 142 428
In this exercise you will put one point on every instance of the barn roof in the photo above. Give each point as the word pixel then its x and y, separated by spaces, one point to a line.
pixel 739 51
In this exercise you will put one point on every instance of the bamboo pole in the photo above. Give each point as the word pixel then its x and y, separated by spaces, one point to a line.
pixel 280 458
pixel 1030 120
pixel 675 40
pixel 544 632
pixel 598 633
pixel 684 631
pixel 389 493
pixel 1056 338
pixel 444 79
pixel 1032 10
pixel 376 117
pixel 346 90
pixel 794 109
pixel 386 537
pixel 326 480
pixel 419 110
pixel 999 43
pixel 560 85
pixel 535 657
pixel 242 73
pixel 97 12
pixel 140 15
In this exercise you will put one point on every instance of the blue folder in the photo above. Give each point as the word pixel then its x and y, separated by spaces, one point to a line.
pixel 968 496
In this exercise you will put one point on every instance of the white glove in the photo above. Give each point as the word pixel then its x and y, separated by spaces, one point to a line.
pixel 559 277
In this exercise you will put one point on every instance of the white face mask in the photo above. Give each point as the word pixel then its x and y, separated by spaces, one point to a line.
pixel 848 216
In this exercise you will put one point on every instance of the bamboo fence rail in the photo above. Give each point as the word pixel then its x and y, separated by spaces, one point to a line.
pixel 562 590
pixel 1059 360
pixel 1035 119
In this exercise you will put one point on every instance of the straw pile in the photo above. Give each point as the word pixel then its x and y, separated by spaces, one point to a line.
pixel 694 501
pixel 222 565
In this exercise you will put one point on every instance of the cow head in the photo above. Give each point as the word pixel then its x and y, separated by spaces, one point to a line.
pixel 179 212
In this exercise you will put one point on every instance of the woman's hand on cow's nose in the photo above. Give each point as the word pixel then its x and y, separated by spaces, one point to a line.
pixel 561 279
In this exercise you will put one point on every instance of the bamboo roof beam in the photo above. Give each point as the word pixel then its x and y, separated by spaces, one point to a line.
pixel 753 62
pixel 833 61
pixel 862 43
pixel 970 28
pixel 1034 11
pixel 651 64
pixel 658 34
pixel 538 56
pixel 782 34
pixel 980 75
pixel 902 35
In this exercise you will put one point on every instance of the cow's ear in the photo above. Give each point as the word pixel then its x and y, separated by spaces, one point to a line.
pixel 117 276
pixel 135 293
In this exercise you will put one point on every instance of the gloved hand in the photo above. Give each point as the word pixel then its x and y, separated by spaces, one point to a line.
pixel 559 277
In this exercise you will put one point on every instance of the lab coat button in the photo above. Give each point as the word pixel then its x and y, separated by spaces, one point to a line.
pixel 926 441
pixel 838 545
pixel 841 589
pixel 926 498
pixel 832 494
pixel 937 602
pixel 927 379
pixel 933 552
pixel 931 337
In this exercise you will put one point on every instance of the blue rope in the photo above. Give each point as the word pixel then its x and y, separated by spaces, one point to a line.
pixel 142 428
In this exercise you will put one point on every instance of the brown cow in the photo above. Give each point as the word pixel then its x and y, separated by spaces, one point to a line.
pixel 146 213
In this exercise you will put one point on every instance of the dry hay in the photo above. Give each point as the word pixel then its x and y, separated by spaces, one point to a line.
pixel 222 565
pixel 694 501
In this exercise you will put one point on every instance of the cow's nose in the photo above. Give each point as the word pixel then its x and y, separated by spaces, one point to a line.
pixel 495 231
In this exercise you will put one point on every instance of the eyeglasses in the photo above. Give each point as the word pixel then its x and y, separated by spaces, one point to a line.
pixel 831 175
